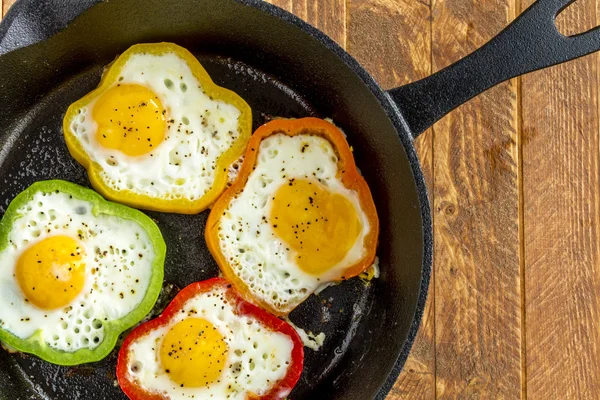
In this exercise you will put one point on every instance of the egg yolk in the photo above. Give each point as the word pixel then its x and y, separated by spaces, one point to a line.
pixel 320 226
pixel 130 119
pixel 51 273
pixel 193 353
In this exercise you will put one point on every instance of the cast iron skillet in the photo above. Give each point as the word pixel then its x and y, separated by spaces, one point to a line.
pixel 282 67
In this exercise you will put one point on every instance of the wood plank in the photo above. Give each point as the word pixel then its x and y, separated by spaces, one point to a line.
pixel 392 40
pixel 476 226
pixel 328 16
pixel 561 187
pixel 5 5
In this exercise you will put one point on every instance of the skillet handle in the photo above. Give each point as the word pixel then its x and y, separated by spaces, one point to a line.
pixel 530 42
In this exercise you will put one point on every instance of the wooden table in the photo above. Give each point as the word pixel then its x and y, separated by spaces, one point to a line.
pixel 514 178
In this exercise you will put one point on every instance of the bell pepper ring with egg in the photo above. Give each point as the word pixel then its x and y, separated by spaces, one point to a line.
pixel 157 133
pixel 210 343
pixel 75 272
pixel 298 216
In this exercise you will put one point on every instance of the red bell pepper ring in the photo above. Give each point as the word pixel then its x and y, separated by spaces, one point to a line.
pixel 241 308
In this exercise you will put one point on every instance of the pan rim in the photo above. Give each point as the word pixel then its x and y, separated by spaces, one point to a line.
pixel 405 136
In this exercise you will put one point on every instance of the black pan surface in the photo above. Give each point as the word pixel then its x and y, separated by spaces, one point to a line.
pixel 281 67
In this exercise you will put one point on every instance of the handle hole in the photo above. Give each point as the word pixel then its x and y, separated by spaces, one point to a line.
pixel 578 17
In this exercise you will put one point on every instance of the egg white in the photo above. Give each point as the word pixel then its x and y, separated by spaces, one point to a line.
pixel 120 250
pixel 248 241
pixel 183 165
pixel 257 358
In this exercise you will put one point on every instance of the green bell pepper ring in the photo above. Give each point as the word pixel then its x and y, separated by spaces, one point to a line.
pixel 36 343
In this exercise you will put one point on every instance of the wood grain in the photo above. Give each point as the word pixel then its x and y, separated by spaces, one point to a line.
pixel 329 16
pixel 392 40
pixel 477 285
pixel 561 221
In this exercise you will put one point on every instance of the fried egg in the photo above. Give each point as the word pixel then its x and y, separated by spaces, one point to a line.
pixel 74 272
pixel 158 133
pixel 210 345
pixel 295 225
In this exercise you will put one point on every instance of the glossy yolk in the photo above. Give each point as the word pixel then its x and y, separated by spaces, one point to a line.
pixel 130 119
pixel 51 273
pixel 193 353
pixel 320 226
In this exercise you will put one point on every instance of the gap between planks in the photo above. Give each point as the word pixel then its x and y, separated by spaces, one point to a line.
pixel 521 227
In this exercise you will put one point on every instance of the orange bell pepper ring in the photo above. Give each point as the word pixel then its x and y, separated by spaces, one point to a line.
pixel 323 250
